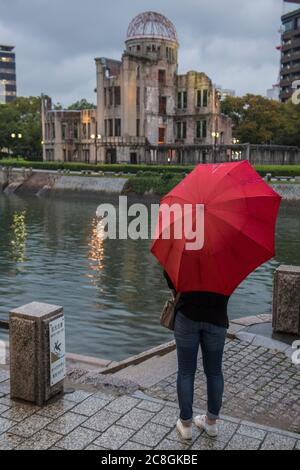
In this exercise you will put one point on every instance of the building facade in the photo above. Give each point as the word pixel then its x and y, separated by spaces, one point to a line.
pixel 273 93
pixel 67 134
pixel 146 112
pixel 290 54
pixel 8 81
pixel 225 92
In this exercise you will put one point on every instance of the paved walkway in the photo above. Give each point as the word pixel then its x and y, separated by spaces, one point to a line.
pixel 261 385
pixel 98 420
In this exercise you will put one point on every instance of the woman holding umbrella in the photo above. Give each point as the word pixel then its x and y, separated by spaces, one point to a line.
pixel 201 320
pixel 240 212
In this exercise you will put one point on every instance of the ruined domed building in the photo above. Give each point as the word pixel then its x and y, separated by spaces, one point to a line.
pixel 146 112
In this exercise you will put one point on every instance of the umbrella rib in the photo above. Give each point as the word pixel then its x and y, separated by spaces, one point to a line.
pixel 252 216
pixel 232 249
pixel 241 231
pixel 223 176
pixel 177 197
pixel 238 198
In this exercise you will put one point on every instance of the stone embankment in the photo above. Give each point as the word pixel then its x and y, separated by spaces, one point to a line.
pixel 289 192
pixel 41 182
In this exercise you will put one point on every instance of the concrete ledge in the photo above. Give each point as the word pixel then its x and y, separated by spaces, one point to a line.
pixel 247 337
pixel 234 328
pixel 248 321
pixel 134 360
pixel 270 343
pixel 77 360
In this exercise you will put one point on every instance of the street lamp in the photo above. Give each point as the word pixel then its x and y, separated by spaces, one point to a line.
pixel 236 154
pixel 15 136
pixel 215 136
pixel 97 140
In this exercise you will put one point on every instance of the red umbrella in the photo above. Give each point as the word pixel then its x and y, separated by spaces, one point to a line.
pixel 240 212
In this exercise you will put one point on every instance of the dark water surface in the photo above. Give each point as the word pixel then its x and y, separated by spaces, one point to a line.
pixel 112 291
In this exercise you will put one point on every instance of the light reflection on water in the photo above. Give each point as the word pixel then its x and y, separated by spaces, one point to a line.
pixel 112 291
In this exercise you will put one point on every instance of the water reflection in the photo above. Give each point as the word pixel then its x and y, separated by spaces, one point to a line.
pixel 18 236
pixel 112 290
pixel 96 244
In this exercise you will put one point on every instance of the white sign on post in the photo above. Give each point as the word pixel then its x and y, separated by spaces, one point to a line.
pixel 57 351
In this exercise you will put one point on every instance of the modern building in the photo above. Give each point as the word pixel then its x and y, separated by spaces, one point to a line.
pixel 146 111
pixel 273 93
pixel 8 83
pixel 225 92
pixel 290 54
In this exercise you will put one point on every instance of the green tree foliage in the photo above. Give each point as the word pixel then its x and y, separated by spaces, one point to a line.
pixel 82 104
pixel 21 117
pixel 258 120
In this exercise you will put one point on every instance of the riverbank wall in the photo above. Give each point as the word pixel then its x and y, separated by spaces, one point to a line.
pixel 289 192
pixel 44 182
pixel 41 183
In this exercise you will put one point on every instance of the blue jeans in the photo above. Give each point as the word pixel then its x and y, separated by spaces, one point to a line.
pixel 189 335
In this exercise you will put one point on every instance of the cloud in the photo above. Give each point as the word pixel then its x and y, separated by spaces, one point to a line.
pixel 233 41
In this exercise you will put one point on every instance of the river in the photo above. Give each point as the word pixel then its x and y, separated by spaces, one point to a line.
pixel 112 291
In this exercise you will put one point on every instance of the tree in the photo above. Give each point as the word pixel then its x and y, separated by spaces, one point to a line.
pixel 58 107
pixel 21 117
pixel 258 120
pixel 82 104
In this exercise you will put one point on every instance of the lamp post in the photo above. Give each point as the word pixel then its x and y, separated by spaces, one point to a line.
pixel 215 136
pixel 97 140
pixel 236 153
pixel 16 136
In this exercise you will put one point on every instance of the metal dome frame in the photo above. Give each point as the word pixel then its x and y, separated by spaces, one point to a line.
pixel 152 25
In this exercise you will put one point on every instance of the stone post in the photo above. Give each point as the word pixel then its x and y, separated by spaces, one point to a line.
pixel 37 352
pixel 248 152
pixel 286 300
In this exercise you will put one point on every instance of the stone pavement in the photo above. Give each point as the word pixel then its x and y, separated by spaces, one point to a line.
pixel 261 384
pixel 103 420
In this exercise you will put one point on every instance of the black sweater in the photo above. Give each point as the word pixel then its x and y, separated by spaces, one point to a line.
pixel 208 307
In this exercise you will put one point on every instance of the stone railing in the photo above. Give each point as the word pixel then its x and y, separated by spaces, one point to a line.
pixel 286 300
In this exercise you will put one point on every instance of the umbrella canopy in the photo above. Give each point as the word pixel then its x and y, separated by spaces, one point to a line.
pixel 239 219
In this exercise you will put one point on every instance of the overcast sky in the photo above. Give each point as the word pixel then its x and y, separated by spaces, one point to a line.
pixel 233 41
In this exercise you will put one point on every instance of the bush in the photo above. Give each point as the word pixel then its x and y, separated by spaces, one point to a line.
pixel 278 170
pixel 154 184
pixel 74 166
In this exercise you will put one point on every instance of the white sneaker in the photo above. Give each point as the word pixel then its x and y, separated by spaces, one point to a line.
pixel 184 431
pixel 210 429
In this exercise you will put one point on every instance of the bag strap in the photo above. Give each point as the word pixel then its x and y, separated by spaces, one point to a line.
pixel 177 297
